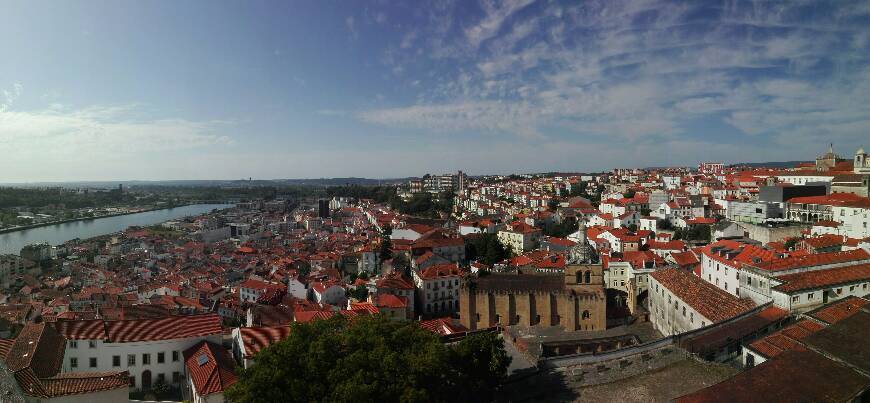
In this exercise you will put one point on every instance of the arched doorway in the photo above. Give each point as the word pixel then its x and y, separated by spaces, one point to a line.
pixel 146 380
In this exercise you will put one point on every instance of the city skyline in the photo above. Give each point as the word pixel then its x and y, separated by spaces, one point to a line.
pixel 103 91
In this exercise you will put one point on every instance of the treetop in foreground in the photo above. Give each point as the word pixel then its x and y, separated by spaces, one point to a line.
pixel 372 359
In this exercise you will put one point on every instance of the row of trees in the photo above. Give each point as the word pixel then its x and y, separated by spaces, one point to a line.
pixel 38 198
pixel 372 359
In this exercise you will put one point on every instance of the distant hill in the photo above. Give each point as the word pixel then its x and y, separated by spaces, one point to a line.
pixel 219 183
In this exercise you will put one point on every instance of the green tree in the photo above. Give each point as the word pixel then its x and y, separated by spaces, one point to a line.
pixel 371 359
pixel 360 292
pixel 386 250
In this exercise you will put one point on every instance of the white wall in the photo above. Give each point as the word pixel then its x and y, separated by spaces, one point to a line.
pixel 669 314
pixel 105 351
pixel 720 274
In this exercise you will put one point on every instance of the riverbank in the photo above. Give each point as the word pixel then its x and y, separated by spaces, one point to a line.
pixel 70 220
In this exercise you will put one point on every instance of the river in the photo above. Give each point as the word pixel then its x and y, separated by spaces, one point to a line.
pixel 57 234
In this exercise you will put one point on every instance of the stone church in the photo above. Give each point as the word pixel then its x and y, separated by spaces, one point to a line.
pixel 575 300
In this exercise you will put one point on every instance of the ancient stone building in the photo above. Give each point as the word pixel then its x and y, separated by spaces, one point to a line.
pixel 574 301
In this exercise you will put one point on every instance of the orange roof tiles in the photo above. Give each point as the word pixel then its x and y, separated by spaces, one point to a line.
pixel 440 270
pixel 823 278
pixel 258 338
pixel 820 259
pixel 785 339
pixel 708 300
pixel 837 311
pixel 210 367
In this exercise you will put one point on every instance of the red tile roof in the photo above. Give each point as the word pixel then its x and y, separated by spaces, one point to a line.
pixel 442 326
pixel 391 301
pixel 684 258
pixel 258 338
pixel 151 329
pixel 819 259
pixel 395 280
pixel 785 339
pixel 210 367
pixel 811 280
pixel 834 199
pixel 440 270
pixel 798 375
pixel 837 311
pixel 75 383
pixel 708 300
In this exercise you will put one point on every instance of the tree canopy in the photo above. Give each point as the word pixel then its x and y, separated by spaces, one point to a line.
pixel 372 359
pixel 486 248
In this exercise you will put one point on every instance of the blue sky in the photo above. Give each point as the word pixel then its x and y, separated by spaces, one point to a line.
pixel 108 90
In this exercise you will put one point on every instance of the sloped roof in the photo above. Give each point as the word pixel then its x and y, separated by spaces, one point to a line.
pixel 708 300
pixel 258 338
pixel 210 367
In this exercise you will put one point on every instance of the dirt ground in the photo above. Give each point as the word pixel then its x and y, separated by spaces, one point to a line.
pixel 661 385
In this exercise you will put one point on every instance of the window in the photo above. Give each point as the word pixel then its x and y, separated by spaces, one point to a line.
pixel 703 323
pixel 93 362
pixel 161 378
pixel 161 357
pixel 73 344
pixel 174 356
pixel 132 381
pixel 146 359
pixel 684 311
pixel 839 290
pixel 692 317
pixel 92 344
pixel 809 296
pixel 176 377
pixel 796 298
pixel 131 360
pixel 852 288
pixel 116 360
pixel 73 362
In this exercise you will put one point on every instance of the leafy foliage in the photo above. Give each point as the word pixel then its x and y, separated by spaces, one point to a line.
pixel 565 228
pixel 487 249
pixel 371 359
pixel 360 292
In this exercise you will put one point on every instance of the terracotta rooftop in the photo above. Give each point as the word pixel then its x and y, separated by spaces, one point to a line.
pixel 210 367
pixel 723 335
pixel 837 311
pixel 395 280
pixel 122 331
pixel 440 270
pixel 708 300
pixel 75 383
pixel 811 280
pixel 797 375
pixel 819 259
pixel 785 339
pixel 258 338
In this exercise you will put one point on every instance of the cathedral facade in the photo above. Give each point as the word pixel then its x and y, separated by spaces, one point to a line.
pixel 574 300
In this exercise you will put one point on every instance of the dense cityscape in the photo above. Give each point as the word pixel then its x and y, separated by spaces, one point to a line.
pixel 209 201
pixel 706 276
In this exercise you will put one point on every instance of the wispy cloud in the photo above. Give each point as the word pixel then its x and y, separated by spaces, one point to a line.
pixel 58 137
pixel 496 13
pixel 350 23
pixel 788 73
pixel 10 96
